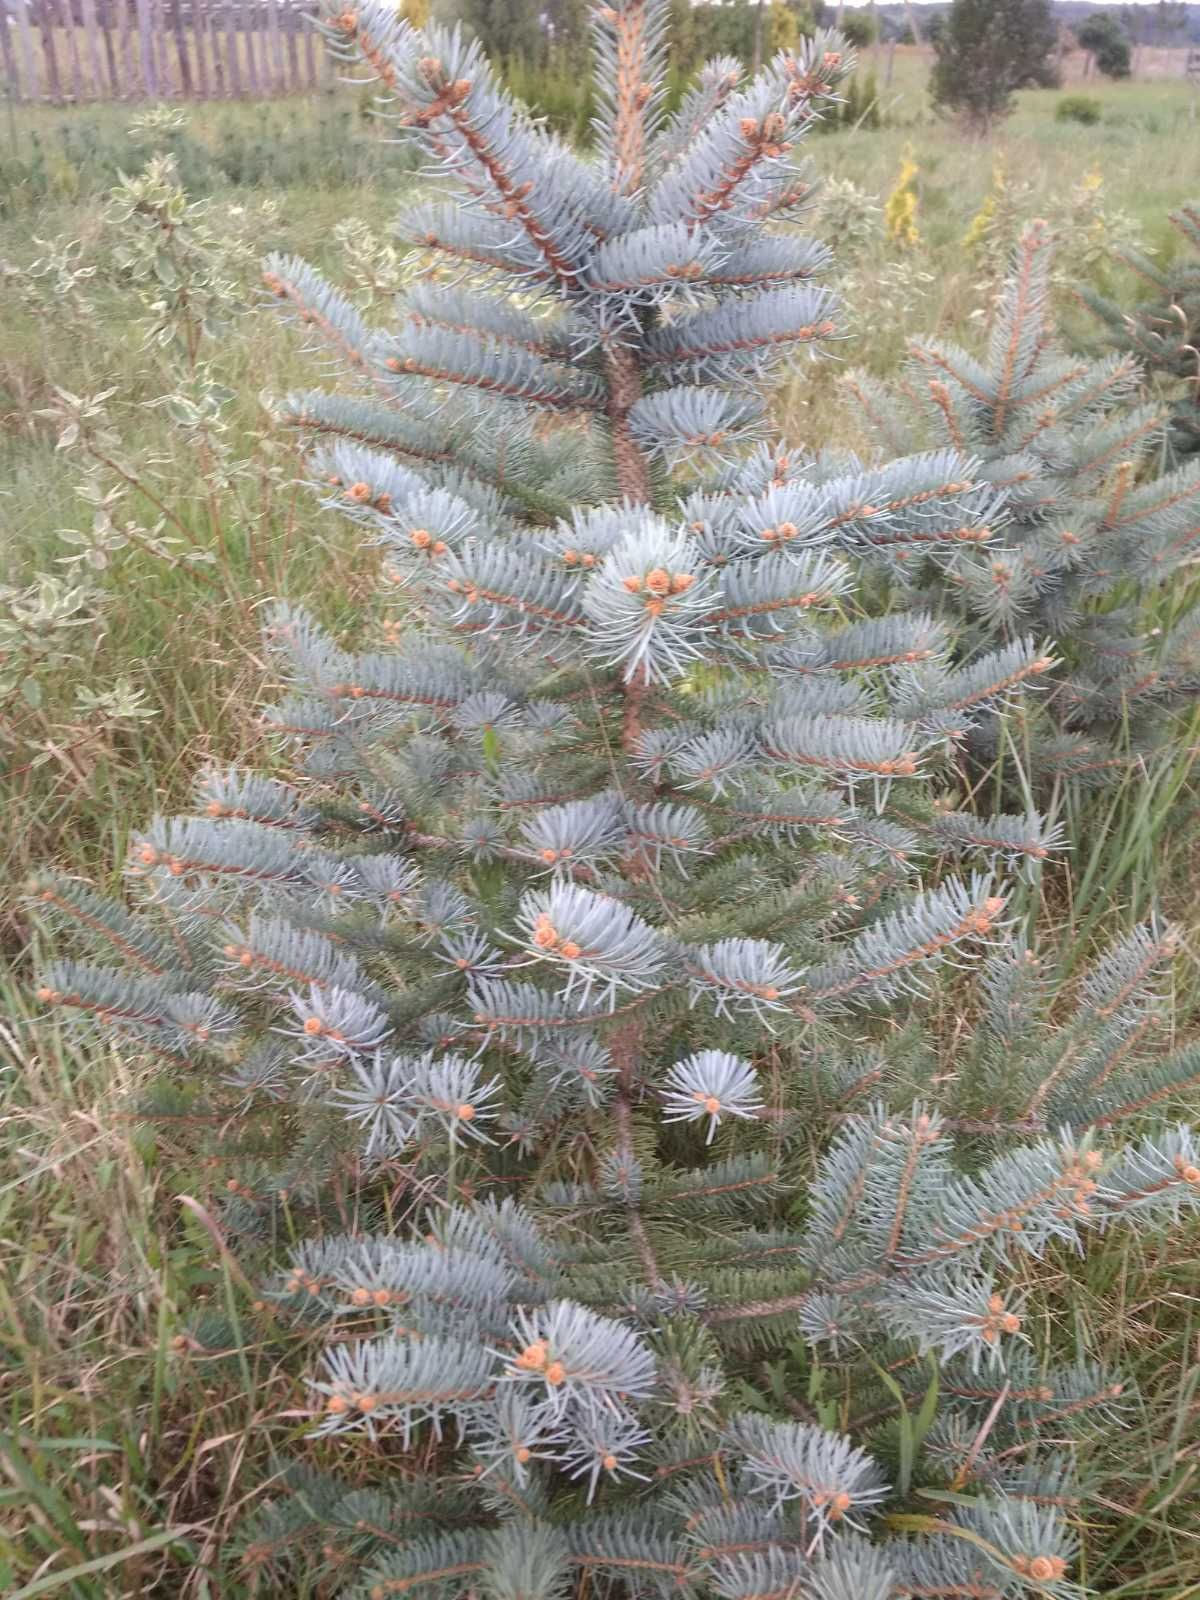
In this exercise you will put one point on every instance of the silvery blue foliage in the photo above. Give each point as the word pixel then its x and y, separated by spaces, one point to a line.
pixel 574 952
pixel 1088 536
pixel 711 1084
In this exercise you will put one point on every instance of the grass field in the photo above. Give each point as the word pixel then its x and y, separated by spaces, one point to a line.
pixel 129 1455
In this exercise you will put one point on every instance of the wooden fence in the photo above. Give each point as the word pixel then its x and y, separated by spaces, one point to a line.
pixel 65 51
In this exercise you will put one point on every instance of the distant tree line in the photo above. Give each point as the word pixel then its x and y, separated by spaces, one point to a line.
pixel 985 50
pixel 543 45
pixel 545 33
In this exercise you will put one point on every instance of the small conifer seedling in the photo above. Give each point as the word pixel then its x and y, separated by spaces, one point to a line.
pixel 539 994
pixel 1092 537
pixel 1162 331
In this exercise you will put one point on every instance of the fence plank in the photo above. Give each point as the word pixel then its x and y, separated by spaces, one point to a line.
pixel 66 11
pixel 91 38
pixel 293 54
pixel 49 53
pixel 310 53
pixel 12 77
pixel 201 40
pixel 125 22
pixel 276 47
pixel 146 62
pixel 247 21
pixel 28 53
pixel 231 49
pixel 217 42
pixel 110 54
pixel 166 78
pixel 186 82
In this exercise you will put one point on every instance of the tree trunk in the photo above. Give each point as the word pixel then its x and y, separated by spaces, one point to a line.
pixel 624 390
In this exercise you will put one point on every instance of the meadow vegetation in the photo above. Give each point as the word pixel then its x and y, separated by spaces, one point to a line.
pixel 151 505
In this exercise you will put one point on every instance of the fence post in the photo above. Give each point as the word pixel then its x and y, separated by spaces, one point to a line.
pixel 310 53
pixel 110 55
pixel 11 76
pixel 91 35
pixel 289 20
pixel 66 12
pixel 186 84
pixel 147 61
pixel 49 52
pixel 158 20
pixel 215 39
pixel 28 53
pixel 125 20
pixel 231 45
pixel 248 20
pixel 202 37
pixel 278 82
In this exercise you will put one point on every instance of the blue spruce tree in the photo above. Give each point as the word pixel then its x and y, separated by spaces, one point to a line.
pixel 1093 534
pixel 1163 332
pixel 549 980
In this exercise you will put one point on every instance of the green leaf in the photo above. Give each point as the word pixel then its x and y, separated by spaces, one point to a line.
pixel 911 1429
pixel 164 270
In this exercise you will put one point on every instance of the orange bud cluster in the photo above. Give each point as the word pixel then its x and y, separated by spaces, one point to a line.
pixel 573 558
pixel 768 135
pixel 998 1320
pixel 1189 1172
pixel 902 767
pixel 214 808
pixel 147 856
pixel 659 586
pixel 982 920
pixel 835 1502
pixel 1042 1569
pixel 363 1296
pixel 688 272
pixel 300 1281
pixel 422 539
pixel 781 533
pixel 546 936
pixel 1079 1181
pixel 533 1358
